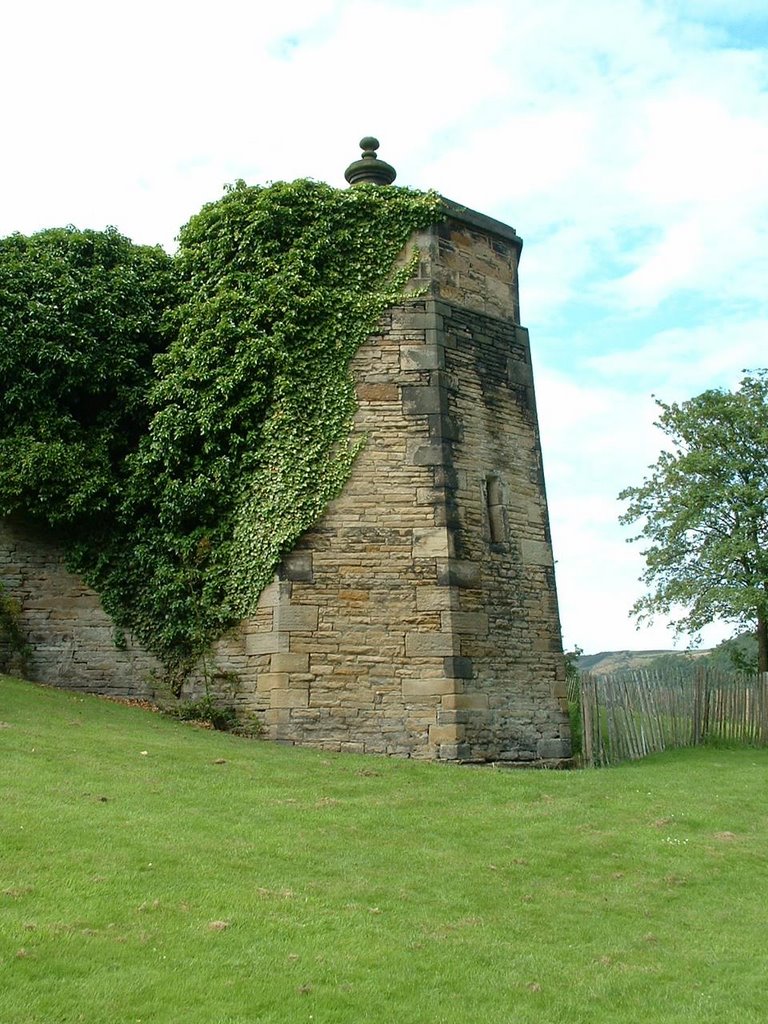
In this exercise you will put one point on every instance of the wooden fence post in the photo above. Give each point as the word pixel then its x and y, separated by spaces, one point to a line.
pixel 698 707
pixel 762 700
pixel 587 708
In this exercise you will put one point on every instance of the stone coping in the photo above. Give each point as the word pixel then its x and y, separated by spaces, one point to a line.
pixel 482 222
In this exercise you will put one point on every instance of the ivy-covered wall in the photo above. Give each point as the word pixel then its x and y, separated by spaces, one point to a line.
pixel 410 610
pixel 178 423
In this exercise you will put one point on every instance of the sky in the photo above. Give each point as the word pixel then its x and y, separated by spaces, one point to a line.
pixel 627 143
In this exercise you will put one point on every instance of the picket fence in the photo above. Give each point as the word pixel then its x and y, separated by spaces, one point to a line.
pixel 630 714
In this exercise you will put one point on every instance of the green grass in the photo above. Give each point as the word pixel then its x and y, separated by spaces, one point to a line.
pixel 361 889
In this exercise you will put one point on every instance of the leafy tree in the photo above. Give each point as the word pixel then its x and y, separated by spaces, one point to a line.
pixel 80 323
pixel 704 512
pixel 572 663
pixel 738 653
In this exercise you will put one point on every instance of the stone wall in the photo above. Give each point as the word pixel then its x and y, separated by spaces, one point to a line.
pixel 419 616
pixel 72 640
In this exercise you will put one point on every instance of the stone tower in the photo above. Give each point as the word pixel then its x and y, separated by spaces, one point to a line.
pixel 419 617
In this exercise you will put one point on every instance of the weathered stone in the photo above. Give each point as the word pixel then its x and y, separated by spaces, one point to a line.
pixel 272 681
pixel 554 749
pixel 430 645
pixel 428 687
pixel 431 542
pixel 266 643
pixel 465 622
pixel 300 618
pixel 418 617
pixel 458 668
pixel 377 392
pixel 297 565
pixel 293 698
pixel 458 573
pixel 436 599
pixel 466 701
pixel 446 734
pixel 289 663
pixel 536 552
pixel 420 357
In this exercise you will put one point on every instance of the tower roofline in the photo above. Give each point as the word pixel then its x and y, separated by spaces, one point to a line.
pixel 482 222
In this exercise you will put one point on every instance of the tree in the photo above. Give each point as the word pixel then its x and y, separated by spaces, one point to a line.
pixel 704 510
pixel 80 324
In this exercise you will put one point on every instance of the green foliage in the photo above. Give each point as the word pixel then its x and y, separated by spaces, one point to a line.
pixel 80 322
pixel 234 447
pixel 573 690
pixel 13 644
pixel 572 663
pixel 221 716
pixel 737 654
pixel 704 512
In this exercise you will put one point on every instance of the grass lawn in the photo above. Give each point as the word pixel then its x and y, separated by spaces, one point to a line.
pixel 153 872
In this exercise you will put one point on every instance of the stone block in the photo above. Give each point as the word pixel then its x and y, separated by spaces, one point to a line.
pixel 459 573
pixel 292 698
pixel 435 599
pixel 432 454
pixel 458 668
pixel 274 593
pixel 443 428
pixel 430 645
pixel 420 357
pixel 378 392
pixel 276 717
pixel 266 681
pixel 554 749
pixel 546 644
pixel 267 643
pixel 297 566
pixel 465 622
pixel 465 702
pixel 354 596
pixel 536 552
pixel 289 663
pixel 454 752
pixel 446 734
pixel 431 542
pixel 452 716
pixel 292 617
pixel 421 399
pixel 435 686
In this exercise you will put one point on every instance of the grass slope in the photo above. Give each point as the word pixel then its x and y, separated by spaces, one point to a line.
pixel 152 872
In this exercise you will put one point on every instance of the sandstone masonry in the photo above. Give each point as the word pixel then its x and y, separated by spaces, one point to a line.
pixel 419 616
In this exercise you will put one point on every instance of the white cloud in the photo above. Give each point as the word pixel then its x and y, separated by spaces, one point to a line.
pixel 680 362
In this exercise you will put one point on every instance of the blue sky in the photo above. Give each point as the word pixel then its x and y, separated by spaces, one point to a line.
pixel 626 142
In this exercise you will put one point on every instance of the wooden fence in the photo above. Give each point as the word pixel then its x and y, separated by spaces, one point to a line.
pixel 627 715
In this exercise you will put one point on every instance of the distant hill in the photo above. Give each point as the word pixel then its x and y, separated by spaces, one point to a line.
pixel 738 653
pixel 617 661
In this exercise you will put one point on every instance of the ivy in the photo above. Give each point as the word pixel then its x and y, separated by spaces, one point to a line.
pixel 245 422
pixel 13 646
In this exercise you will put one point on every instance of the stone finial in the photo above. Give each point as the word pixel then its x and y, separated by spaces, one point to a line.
pixel 369 168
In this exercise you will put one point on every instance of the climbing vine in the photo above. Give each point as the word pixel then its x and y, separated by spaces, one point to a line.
pixel 13 646
pixel 245 423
